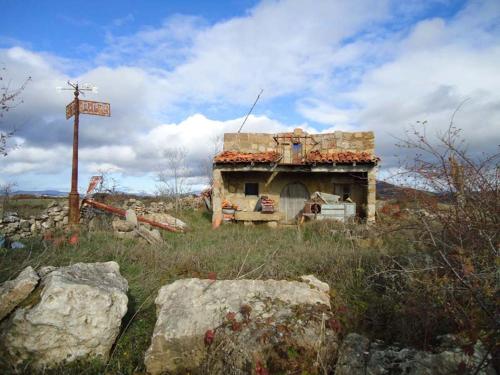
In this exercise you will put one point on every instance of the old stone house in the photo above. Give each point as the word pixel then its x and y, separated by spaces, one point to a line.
pixel 288 167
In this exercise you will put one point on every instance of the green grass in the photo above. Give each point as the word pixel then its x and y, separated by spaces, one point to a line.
pixel 26 207
pixel 231 251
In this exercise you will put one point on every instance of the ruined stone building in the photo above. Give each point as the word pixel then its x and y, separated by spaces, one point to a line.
pixel 288 167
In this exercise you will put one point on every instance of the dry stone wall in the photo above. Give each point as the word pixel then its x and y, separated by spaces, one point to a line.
pixel 55 217
pixel 16 228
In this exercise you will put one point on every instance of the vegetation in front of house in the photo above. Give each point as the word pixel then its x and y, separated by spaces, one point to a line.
pixel 231 252
pixel 418 274
pixel 372 291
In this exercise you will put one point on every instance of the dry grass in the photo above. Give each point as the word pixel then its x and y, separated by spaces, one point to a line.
pixel 233 251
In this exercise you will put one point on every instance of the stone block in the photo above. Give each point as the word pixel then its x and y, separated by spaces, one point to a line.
pixel 215 327
pixel 77 315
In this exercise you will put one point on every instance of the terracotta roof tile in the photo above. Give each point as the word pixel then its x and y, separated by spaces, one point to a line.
pixel 341 157
pixel 247 157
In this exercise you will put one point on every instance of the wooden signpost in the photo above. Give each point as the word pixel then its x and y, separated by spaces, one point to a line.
pixel 75 108
pixel 88 107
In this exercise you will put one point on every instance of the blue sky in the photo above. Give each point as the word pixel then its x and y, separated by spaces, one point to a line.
pixel 180 73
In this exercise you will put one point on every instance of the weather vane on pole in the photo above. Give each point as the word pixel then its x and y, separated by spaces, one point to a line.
pixel 75 108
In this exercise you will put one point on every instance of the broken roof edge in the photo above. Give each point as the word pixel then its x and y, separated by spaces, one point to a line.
pixel 313 157
pixel 341 157
pixel 247 157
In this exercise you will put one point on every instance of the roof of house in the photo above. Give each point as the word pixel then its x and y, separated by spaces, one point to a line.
pixel 313 157
pixel 247 157
pixel 342 157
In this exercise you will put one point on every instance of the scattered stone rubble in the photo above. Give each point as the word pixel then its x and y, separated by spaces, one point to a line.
pixel 75 312
pixel 157 211
pixel 242 327
pixel 16 228
pixel 56 217
pixel 359 356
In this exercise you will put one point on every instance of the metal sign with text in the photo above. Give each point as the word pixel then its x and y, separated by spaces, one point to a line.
pixel 88 107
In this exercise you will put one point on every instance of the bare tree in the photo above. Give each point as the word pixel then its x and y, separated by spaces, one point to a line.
pixel 6 191
pixel 108 184
pixel 9 99
pixel 173 179
pixel 217 141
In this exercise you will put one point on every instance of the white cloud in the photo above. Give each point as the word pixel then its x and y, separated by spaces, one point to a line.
pixel 346 65
pixel 433 69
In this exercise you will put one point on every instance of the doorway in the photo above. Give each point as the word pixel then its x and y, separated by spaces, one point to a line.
pixel 292 199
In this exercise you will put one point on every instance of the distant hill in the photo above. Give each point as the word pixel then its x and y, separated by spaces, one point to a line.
pixel 386 191
pixel 41 193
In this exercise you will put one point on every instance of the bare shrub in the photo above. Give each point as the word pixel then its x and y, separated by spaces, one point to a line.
pixel 450 286
pixel 173 178
pixel 6 191
pixel 9 98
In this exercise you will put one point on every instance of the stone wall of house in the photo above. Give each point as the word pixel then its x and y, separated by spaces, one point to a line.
pixel 234 187
pixel 328 142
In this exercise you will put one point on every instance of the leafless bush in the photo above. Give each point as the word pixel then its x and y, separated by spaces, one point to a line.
pixel 173 178
pixel 459 225
pixel 9 98
pixel 5 193
pixel 108 184
pixel 217 142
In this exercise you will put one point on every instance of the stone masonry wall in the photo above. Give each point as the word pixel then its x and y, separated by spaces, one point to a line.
pixel 56 217
pixel 328 142
pixel 16 228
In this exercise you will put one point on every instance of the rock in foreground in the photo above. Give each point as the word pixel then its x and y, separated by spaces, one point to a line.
pixel 75 313
pixel 13 292
pixel 242 327
pixel 359 356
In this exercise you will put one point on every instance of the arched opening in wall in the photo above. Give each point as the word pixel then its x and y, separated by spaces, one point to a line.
pixel 292 199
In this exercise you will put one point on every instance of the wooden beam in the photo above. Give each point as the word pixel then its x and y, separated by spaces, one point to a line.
pixel 271 177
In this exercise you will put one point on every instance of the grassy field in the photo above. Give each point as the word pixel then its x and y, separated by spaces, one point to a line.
pixel 26 207
pixel 351 260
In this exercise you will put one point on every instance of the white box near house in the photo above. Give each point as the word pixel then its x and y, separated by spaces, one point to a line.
pixel 337 211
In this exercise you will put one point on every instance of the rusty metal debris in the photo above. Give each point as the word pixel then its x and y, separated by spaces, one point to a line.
pixel 121 212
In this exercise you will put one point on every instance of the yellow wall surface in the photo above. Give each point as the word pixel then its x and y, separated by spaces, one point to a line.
pixel 234 186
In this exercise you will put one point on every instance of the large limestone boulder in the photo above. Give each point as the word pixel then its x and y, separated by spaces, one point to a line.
pixel 13 292
pixel 75 313
pixel 242 327
pixel 123 225
pixel 167 219
pixel 359 356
